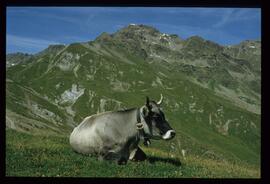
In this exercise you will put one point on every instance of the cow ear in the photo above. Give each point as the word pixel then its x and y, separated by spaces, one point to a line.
pixel 147 100
pixel 148 103
pixel 145 111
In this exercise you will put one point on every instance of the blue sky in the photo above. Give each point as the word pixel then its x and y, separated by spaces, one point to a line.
pixel 32 29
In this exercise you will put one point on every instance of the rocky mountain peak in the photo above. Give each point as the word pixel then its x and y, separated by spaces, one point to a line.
pixel 134 31
pixel 139 29
pixel 104 37
pixel 52 49
pixel 196 38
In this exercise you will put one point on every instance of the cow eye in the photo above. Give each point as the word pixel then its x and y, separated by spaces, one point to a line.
pixel 155 116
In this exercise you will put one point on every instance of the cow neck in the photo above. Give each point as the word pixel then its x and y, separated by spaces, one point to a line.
pixel 140 128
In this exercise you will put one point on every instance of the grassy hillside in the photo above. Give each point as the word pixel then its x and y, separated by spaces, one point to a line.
pixel 28 155
pixel 211 99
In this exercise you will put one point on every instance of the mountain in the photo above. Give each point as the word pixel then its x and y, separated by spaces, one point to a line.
pixel 16 58
pixel 233 72
pixel 211 92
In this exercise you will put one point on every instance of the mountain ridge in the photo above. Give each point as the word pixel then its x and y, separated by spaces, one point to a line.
pixel 207 88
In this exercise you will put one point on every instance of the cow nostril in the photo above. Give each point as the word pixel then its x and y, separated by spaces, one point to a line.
pixel 172 133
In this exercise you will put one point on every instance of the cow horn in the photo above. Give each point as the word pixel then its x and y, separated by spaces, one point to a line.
pixel 161 99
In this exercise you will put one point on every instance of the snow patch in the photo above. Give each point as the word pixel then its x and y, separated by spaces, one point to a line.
pixel 224 129
pixel 77 56
pixel 220 111
pixel 10 123
pixel 107 104
pixel 91 94
pixel 120 86
pixel 57 86
pixel 176 106
pixel 89 77
pixel 121 73
pixel 76 69
pixel 70 111
pixel 71 95
pixel 66 61
pixel 210 119
pixel 44 113
pixel 200 110
pixel 164 75
pixel 157 82
pixel 192 107
pixel 102 105
pixel 253 124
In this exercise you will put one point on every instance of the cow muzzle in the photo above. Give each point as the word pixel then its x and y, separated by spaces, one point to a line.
pixel 169 135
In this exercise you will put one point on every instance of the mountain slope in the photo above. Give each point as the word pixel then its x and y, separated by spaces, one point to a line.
pixel 212 95
pixel 15 58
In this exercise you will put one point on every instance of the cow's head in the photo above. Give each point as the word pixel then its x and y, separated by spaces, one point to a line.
pixel 157 125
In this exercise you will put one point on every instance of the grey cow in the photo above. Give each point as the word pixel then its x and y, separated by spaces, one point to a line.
pixel 116 135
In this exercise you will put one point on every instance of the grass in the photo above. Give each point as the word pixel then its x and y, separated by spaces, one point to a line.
pixel 239 150
pixel 28 155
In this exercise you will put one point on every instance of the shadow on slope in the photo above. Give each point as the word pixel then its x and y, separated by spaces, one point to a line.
pixel 153 159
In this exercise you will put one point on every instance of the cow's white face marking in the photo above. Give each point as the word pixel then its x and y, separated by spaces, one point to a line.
pixel 168 135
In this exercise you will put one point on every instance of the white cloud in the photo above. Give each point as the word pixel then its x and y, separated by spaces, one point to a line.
pixel 28 43
pixel 234 15
pixel 226 17
pixel 43 13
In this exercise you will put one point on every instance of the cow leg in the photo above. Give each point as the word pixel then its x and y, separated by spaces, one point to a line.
pixel 123 158
pixel 111 156
pixel 124 154
pixel 122 161
pixel 132 154
pixel 139 155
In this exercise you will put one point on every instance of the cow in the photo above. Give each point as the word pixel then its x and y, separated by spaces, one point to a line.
pixel 115 135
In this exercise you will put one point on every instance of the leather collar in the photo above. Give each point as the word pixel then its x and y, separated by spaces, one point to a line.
pixel 140 128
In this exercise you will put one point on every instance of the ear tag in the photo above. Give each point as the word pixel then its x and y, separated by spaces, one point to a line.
pixel 139 126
